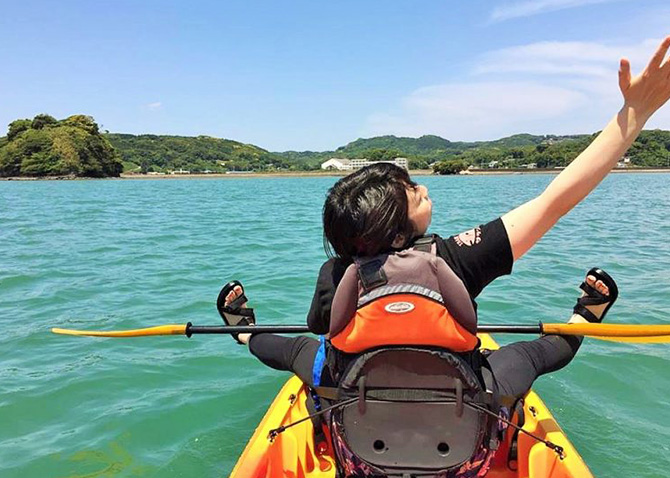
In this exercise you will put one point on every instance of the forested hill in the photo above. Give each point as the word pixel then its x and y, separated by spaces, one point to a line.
pixel 421 145
pixel 651 149
pixel 150 152
pixel 424 150
pixel 204 153
pixel 430 144
pixel 45 146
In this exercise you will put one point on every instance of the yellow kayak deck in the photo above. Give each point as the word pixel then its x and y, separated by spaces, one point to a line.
pixel 293 453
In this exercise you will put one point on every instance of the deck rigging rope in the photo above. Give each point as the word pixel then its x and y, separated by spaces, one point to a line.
pixel 560 451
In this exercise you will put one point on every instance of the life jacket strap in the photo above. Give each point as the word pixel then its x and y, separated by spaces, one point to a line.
pixel 329 393
pixel 398 394
pixel 424 244
pixel 371 274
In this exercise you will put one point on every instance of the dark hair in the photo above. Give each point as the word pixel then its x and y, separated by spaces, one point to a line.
pixel 365 211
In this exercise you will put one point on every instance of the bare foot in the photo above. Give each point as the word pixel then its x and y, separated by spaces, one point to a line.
pixel 232 295
pixel 596 309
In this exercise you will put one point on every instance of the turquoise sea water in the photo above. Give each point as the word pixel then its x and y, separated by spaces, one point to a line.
pixel 128 254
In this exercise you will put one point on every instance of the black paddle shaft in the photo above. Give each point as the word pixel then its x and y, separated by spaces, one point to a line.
pixel 301 329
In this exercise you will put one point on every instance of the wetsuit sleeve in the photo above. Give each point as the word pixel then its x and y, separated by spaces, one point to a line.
pixel 330 275
pixel 478 256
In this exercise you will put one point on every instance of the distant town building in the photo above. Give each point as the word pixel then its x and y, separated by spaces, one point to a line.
pixel 624 162
pixel 342 164
pixel 180 171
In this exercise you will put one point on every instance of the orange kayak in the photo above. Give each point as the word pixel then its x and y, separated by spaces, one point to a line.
pixel 294 454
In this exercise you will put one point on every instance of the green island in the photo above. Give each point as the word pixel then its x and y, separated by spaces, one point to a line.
pixel 45 146
pixel 75 147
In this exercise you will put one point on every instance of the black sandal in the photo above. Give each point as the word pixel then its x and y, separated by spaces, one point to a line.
pixel 594 297
pixel 234 313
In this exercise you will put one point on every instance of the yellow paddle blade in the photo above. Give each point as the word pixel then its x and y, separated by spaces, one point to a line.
pixel 613 332
pixel 654 339
pixel 159 330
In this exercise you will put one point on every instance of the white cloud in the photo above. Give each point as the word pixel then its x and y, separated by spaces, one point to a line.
pixel 535 7
pixel 476 111
pixel 565 58
pixel 155 106
pixel 540 88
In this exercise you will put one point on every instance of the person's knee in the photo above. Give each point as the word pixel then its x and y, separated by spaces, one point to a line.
pixel 561 350
pixel 298 345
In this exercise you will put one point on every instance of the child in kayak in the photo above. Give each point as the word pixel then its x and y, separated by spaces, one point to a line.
pixel 380 210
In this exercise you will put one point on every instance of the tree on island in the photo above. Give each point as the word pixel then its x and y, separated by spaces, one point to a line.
pixel 45 146
pixel 450 167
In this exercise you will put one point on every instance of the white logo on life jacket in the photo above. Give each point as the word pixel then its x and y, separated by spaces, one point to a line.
pixel 399 307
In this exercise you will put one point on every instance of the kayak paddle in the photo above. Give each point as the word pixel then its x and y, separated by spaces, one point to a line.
pixel 610 332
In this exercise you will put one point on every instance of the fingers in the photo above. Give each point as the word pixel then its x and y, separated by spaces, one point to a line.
pixel 624 74
pixel 659 56
pixel 666 69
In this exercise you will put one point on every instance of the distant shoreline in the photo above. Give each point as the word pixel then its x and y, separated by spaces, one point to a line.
pixel 502 172
pixel 312 174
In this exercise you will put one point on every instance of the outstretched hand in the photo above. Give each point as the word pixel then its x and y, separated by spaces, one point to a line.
pixel 649 90
pixel 643 95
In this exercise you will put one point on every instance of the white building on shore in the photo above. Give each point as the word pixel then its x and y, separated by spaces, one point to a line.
pixel 342 164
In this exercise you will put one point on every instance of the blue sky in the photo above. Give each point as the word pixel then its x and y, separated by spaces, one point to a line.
pixel 315 75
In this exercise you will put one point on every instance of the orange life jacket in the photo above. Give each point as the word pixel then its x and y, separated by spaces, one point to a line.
pixel 410 297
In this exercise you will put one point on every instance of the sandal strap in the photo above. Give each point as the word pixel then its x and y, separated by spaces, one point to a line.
pixel 238 311
pixel 243 321
pixel 234 313
pixel 586 313
pixel 586 300
pixel 237 302
pixel 593 294
pixel 595 297
pixel 248 319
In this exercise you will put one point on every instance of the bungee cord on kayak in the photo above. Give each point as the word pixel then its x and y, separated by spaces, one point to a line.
pixel 560 451
pixel 276 431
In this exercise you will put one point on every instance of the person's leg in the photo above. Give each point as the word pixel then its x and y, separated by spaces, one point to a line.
pixel 516 366
pixel 294 354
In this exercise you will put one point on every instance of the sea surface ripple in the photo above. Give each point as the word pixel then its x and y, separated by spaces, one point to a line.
pixel 130 254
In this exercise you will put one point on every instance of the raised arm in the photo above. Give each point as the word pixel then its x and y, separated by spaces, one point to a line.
pixel 643 95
